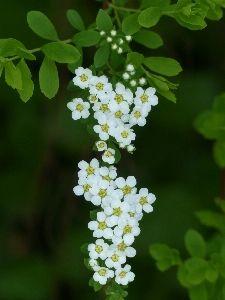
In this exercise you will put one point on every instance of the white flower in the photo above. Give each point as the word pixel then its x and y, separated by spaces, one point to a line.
pixel 124 275
pixel 122 145
pixel 117 210
pixel 144 200
pixel 88 169
pixel 119 244
pixel 99 86
pixel 115 258
pixel 109 156
pixel 100 227
pixel 130 67
pixel 113 32
pixel 131 148
pixel 108 174
pixel 102 274
pixel 127 186
pixel 84 186
pixel 101 108
pixel 79 108
pixel 93 263
pixel 121 94
pixel 83 77
pixel 109 39
pixel 124 134
pixel 146 97
pixel 126 76
pixel 133 213
pixel 100 191
pixel 128 228
pixel 101 145
pixel 138 115
pixel 93 98
pixel 105 128
pixel 119 111
pixel 98 250
pixel 128 38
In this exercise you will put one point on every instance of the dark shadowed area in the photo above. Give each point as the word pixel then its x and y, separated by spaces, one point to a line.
pixel 43 224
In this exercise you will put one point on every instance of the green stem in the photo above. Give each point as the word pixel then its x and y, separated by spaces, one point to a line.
pixel 116 15
pixel 36 50
pixel 123 8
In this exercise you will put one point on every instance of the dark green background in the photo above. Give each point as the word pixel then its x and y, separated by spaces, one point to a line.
pixel 43 224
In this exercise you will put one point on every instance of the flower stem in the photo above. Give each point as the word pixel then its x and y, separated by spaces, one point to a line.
pixel 123 8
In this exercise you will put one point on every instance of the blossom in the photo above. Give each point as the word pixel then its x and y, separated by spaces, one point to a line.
pixel 83 77
pixel 121 94
pixel 100 191
pixel 124 134
pixel 130 67
pixel 102 274
pixel 101 227
pixel 124 275
pixel 87 169
pixel 84 186
pixel 98 250
pixel 109 156
pixel 146 97
pixel 126 186
pixel 119 111
pixel 101 145
pixel 99 86
pixel 138 115
pixel 128 228
pixel 115 258
pixel 119 244
pixel 117 210
pixel 79 108
pixel 108 174
pixel 144 200
pixel 105 128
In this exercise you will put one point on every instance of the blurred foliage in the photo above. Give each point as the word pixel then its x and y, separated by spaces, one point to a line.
pixel 43 224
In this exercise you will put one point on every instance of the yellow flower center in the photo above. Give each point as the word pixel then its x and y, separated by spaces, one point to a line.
pixel 79 107
pixel 126 189
pixel 102 225
pixel 105 128
pixel 144 98
pixel 98 249
pixel 127 229
pixel 117 211
pixel 92 98
pixel 118 114
pixel 122 274
pixel 108 154
pixel 83 77
pixel 106 178
pixel 124 134
pixel 143 201
pixel 90 170
pixel 99 86
pixel 137 114
pixel 86 187
pixel 102 272
pixel 131 214
pixel 102 193
pixel 122 246
pixel 101 145
pixel 115 257
pixel 119 98
pixel 104 107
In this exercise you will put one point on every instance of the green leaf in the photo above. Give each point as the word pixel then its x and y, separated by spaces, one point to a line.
pixel 211 274
pixel 75 19
pixel 148 38
pixel 48 78
pixel 168 95
pixel 72 67
pixel 120 2
pixel 162 65
pixel 211 219
pixel 198 292
pixel 116 60
pixel 135 59
pixel 103 21
pixel 219 153
pixel 97 286
pixel 24 53
pixel 86 38
pixel 154 3
pixel 214 11
pixel 42 26
pixel 60 52
pixel 149 17
pixel 8 47
pixel 130 24
pixel 197 268
pixel 219 104
pixel 86 263
pixel 1 69
pixel 157 82
pixel 27 84
pixel 195 243
pixel 182 274
pixel 93 214
pixel 84 248
pixel 13 76
pixel 101 56
pixel 91 282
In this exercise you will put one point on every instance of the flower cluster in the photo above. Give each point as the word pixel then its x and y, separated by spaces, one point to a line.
pixel 115 110
pixel 118 41
pixel 117 222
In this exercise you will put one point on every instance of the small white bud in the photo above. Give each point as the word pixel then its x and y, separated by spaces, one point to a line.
pixel 121 145
pixel 121 41
pixel 133 82
pixel 126 76
pixel 132 73
pixel 130 68
pixel 114 46
pixel 142 81
pixel 128 38
pixel 102 32
pixel 113 32
pixel 109 39
pixel 131 148
pixel 119 50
